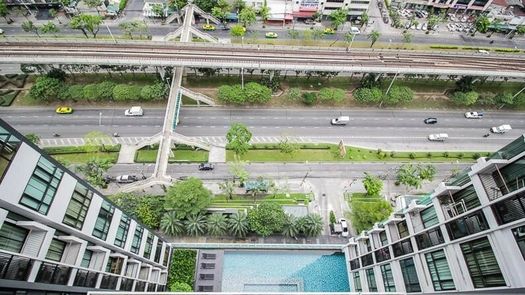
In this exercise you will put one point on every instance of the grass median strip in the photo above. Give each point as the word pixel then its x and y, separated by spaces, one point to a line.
pixel 246 201
pixel 182 155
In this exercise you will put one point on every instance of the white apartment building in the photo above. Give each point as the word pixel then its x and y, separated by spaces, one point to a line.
pixel 451 5
pixel 468 235
pixel 57 233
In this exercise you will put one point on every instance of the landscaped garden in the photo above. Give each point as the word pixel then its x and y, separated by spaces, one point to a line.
pixel 180 154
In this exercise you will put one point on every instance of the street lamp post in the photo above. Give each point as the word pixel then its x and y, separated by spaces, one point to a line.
pixel 114 40
pixel 389 86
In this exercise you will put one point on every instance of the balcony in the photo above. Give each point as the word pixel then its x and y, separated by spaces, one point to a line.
pixel 467 225
pixel 51 273
pixel 151 287
pixel 84 278
pixel 126 284
pixel 109 282
pixel 459 202
pixel 140 286
pixel 382 254
pixel 510 209
pixel 402 247
pixel 13 267
pixel 430 238
pixel 367 260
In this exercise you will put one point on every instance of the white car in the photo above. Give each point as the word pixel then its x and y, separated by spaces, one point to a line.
pixel 344 226
pixel 438 137
pixel 355 30
pixel 134 111
pixel 126 178
pixel 1 31
pixel 473 115
pixel 501 129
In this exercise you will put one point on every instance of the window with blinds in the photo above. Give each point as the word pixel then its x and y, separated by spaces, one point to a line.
pixel 357 282
pixel 8 146
pixel 42 186
pixel 482 264
pixel 137 239
pixel 439 271
pixel 388 278
pixel 467 225
pixel 78 206
pixel 519 235
pixel 467 195
pixel 103 221
pixel 158 251
pixel 510 209
pixel 86 259
pixel 371 279
pixel 149 245
pixel 429 217
pixel 383 238
pixel 12 237
pixel 122 231
pixel 410 275
pixel 402 229
pixel 56 250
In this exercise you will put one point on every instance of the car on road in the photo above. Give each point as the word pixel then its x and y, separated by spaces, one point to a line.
pixel 134 111
pixel 271 35
pixel 208 27
pixel 126 178
pixel 64 110
pixel 438 137
pixel 483 51
pixel 1 31
pixel 309 21
pixel 501 129
pixel 206 166
pixel 430 120
pixel 473 115
pixel 329 31
pixel 344 226
pixel 355 30
pixel 341 120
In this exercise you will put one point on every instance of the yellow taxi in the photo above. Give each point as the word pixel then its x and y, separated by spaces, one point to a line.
pixel 329 31
pixel 208 27
pixel 64 110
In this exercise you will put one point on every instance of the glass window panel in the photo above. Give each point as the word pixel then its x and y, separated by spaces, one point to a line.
pixel 103 221
pixel 371 279
pixel 439 271
pixel 86 259
pixel 122 232
pixel 482 264
pixel 357 282
pixel 78 207
pixel 56 249
pixel 12 237
pixel 519 235
pixel 410 275
pixel 388 278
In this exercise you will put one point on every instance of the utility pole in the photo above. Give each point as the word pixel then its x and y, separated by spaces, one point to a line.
pixel 389 86
pixel 518 93
pixel 114 40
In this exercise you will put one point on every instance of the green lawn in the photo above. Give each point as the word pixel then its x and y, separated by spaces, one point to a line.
pixel 81 158
pixel 328 153
pixel 246 201
pixel 183 155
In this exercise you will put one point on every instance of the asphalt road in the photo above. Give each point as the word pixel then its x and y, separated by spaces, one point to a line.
pixel 394 129
pixel 284 170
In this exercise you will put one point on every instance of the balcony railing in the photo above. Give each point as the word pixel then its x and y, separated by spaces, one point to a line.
pixel 151 287
pixel 430 238
pixel 51 273
pixel 467 225
pixel 14 267
pixel 402 247
pixel 87 279
pixel 140 286
pixel 109 282
pixel 126 284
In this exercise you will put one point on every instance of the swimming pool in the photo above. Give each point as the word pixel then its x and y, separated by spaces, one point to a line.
pixel 284 271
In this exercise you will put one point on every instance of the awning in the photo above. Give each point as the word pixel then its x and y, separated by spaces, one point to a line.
pixel 303 14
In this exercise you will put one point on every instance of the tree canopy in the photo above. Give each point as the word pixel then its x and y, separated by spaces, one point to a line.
pixel 247 16
pixel 367 210
pixel 188 197
pixel 338 17
pixel 86 23
pixel 373 185
pixel 267 218
pixel 238 138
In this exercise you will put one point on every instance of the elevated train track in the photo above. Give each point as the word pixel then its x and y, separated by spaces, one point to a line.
pixel 264 57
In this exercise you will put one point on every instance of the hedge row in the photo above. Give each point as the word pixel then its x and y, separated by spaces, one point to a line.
pixel 182 269
pixel 78 149
pixel 251 93
pixel 374 95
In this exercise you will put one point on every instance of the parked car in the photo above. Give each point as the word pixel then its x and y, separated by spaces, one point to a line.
pixel 483 51
pixel 1 31
pixel 309 21
pixel 329 31
pixel 208 27
pixel 430 120
pixel 344 226
pixel 473 115
pixel 355 30
pixel 64 110
pixel 126 178
pixel 341 120
pixel 206 166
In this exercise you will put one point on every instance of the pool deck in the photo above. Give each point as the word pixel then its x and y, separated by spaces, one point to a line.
pixel 210 246
pixel 274 242
pixel 208 273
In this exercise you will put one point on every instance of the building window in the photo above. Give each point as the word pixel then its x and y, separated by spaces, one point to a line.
pixel 402 248
pixel 371 279
pixel 114 265
pixel 42 186
pixel 86 259
pixel 8 146
pixel 482 264
pixel 78 207
pixel 166 255
pixel 56 249
pixel 103 221
pixel 354 264
pixel 357 282
pixel 467 225
pixel 158 251
pixel 122 232
pixel 410 275
pixel 512 176
pixel 383 238
pixel 12 237
pixel 511 209
pixel 367 245
pixel 403 229
pixel 519 235
pixel 388 278
pixel 468 197
pixel 367 260
pixel 149 245
pixel 429 217
pixel 137 239
pixel 430 238
pixel 439 271
pixel 382 254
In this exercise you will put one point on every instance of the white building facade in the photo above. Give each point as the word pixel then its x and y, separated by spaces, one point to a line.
pixel 57 233
pixel 468 235
pixel 452 5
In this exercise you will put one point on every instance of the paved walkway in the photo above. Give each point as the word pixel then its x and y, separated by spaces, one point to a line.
pixel 127 154
pixel 325 240
pixel 217 155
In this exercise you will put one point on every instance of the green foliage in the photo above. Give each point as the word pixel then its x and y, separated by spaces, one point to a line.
pixel 266 219
pixel 155 91
pixel 195 224
pixel 238 138
pixel 122 92
pixel 247 16
pixel 90 92
pixel 368 95
pixel 465 98
pixel 413 175
pixel 367 210
pixel 332 94
pixel 332 217
pixel 238 170
pixel 407 37
pixel 373 36
pixel 75 92
pixel 338 17
pixel 171 224
pixel 49 28
pixel 290 227
pixel 182 267
pixel 128 202
pixel 179 286
pixel 56 73
pixel 294 34
pixel 188 197
pixel 293 93
pixel 158 10
pixel 238 224
pixel 237 30
pixel 504 99
pixel 482 23
pixel 373 185
pixel 309 98
pixel 94 170
pixel 217 224
pixel 131 27
pixel 427 172
pixel 465 83
pixel 311 225
pixel 122 5
pixel 371 80
pixel 46 89
pixel 105 90
pixel 252 93
pixel 399 94
pixel 32 137
pixel 150 210
pixel 29 26
pixel 285 146
pixel 86 23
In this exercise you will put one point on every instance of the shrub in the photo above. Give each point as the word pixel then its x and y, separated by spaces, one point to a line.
pixel 293 94
pixel 257 93
pixel 231 94
pixel 429 155
pixel 399 94
pixel 392 154
pixel 368 95
pixel 182 268
pixel 155 91
pixel 46 89
pixel 309 98
pixel 412 156
pixel 445 154
pixel 90 92
pixel 105 90
pixel 476 156
pixel 331 94
pixel 465 98
pixel 123 92
pixel 460 155
pixel 76 92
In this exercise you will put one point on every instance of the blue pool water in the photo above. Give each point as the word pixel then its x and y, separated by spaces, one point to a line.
pixel 284 271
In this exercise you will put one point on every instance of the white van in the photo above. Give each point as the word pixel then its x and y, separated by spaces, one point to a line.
pixel 134 111
pixel 355 30
pixel 341 120
pixel 501 129
pixel 438 137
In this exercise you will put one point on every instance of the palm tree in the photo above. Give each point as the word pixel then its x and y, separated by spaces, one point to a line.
pixel 373 36
pixel 238 224
pixel 217 224
pixel 311 224
pixel 227 188
pixel 196 224
pixel 291 226
pixel 171 225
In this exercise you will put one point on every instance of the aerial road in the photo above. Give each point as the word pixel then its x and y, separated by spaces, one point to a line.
pixel 386 129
